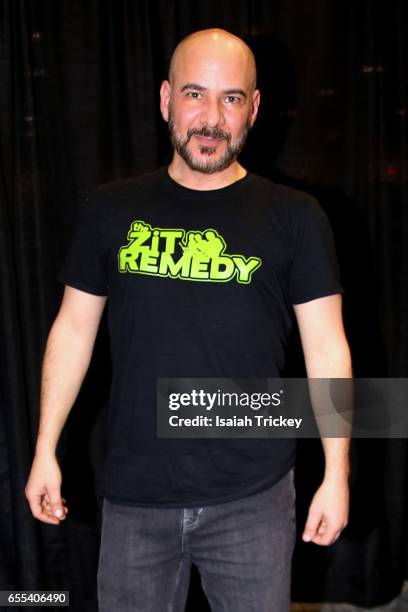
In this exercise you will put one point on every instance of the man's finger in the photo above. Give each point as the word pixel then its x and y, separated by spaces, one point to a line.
pixel 327 538
pixel 48 510
pixel 311 526
pixel 38 512
pixel 35 502
pixel 336 537
pixel 322 527
pixel 56 502
pixel 46 518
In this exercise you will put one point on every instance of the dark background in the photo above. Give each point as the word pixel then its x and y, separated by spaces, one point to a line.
pixel 79 84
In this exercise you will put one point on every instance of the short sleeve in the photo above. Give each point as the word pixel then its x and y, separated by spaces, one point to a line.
pixel 83 267
pixel 314 271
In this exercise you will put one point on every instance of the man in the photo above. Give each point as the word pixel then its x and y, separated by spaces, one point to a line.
pixel 181 305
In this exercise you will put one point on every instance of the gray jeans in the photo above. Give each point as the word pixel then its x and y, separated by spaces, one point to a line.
pixel 242 550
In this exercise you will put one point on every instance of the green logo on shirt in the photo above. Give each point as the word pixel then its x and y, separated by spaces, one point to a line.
pixel 173 252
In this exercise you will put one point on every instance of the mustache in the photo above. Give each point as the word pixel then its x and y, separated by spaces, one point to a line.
pixel 214 133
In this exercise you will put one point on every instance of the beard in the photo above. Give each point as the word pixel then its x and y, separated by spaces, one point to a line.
pixel 208 166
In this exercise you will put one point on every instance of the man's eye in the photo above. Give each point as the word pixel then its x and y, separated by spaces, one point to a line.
pixel 232 99
pixel 194 94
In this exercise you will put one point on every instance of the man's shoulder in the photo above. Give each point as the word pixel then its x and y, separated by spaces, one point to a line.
pixel 285 196
pixel 106 201
pixel 129 184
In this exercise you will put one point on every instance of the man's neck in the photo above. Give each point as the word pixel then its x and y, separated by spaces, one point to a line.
pixel 192 179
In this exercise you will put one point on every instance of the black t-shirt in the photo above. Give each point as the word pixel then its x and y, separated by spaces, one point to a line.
pixel 200 284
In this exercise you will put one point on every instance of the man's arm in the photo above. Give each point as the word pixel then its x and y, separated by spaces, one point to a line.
pixel 66 359
pixel 327 355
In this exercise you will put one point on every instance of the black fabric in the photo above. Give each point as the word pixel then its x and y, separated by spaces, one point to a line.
pixel 200 284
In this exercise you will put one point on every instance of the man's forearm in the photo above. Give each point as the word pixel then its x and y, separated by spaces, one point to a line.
pixel 329 508
pixel 335 364
pixel 336 453
pixel 66 360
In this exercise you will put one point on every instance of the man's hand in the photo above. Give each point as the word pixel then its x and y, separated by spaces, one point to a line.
pixel 328 512
pixel 43 489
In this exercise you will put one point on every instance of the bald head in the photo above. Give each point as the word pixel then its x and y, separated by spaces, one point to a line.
pixel 213 45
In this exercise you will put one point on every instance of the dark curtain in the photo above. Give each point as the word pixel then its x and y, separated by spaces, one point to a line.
pixel 79 86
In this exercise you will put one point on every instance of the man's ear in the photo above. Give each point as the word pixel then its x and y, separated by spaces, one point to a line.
pixel 165 91
pixel 256 98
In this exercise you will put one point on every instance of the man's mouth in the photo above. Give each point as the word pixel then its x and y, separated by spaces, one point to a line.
pixel 208 141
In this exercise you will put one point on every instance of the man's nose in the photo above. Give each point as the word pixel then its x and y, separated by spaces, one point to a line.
pixel 212 114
